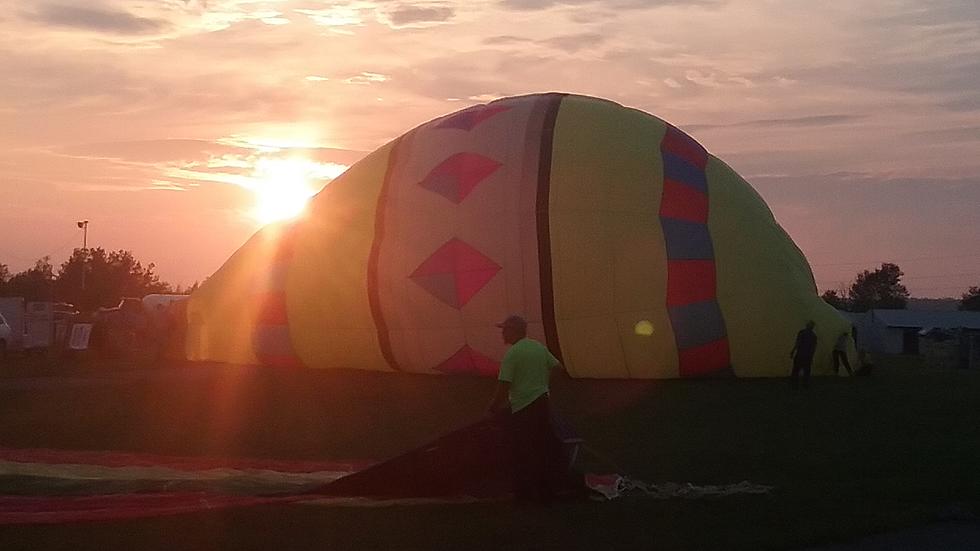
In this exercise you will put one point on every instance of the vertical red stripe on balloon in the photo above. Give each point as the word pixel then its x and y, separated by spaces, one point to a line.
pixel 683 202
pixel 272 309
pixel 684 146
pixel 690 281
pixel 706 359
pixel 284 246
pixel 273 312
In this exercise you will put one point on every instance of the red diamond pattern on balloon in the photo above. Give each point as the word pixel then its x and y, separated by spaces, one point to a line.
pixel 469 362
pixel 470 118
pixel 458 175
pixel 455 273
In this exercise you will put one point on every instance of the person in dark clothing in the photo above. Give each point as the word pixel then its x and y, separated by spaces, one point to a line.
pixel 840 355
pixel 523 388
pixel 802 354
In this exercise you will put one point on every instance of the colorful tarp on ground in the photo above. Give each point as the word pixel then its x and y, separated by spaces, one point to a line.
pixel 53 486
pixel 42 486
pixel 631 250
pixel 467 465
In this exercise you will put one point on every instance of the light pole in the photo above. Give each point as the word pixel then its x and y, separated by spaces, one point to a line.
pixel 83 225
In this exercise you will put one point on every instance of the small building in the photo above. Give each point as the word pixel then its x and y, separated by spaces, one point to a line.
pixel 898 331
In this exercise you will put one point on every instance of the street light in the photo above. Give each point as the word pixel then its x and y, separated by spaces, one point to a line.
pixel 83 225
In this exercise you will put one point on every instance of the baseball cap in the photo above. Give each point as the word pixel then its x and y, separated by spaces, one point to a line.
pixel 515 322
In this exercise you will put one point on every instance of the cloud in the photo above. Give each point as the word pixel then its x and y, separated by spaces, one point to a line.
pixel 97 19
pixel 575 42
pixel 170 164
pixel 335 16
pixel 570 43
pixel 150 151
pixel 506 39
pixel 956 134
pixel 528 5
pixel 810 121
pixel 934 12
pixel 400 16
pixel 366 78
pixel 966 102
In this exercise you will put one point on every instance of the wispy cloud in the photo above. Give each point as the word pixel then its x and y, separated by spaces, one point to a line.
pixel 93 18
pixel 962 133
pixel 576 42
pixel 335 16
pixel 809 121
pixel 405 15
pixel 367 77
pixel 615 4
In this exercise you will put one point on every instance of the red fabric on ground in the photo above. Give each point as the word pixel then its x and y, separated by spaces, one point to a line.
pixel 128 459
pixel 61 509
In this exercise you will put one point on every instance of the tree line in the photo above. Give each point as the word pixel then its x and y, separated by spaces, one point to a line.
pixel 882 288
pixel 88 279
pixel 91 278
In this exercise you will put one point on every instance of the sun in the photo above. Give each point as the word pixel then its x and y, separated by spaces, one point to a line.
pixel 282 189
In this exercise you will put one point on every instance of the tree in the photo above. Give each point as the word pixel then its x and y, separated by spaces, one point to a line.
pixel 835 299
pixel 971 300
pixel 4 278
pixel 35 283
pixel 881 288
pixel 107 276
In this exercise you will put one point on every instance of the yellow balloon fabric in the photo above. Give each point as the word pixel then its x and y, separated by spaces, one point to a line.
pixel 631 252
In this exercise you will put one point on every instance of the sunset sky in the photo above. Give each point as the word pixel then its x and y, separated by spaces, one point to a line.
pixel 165 123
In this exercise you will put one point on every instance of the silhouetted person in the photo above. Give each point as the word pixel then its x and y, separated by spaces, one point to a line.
pixel 840 355
pixel 802 354
pixel 523 384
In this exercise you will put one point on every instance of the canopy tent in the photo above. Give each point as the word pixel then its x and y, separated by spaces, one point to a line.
pixel 632 252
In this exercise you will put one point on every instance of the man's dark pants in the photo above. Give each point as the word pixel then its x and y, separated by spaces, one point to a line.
pixel 804 365
pixel 839 358
pixel 535 452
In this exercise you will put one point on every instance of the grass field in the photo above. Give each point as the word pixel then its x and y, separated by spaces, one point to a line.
pixel 848 457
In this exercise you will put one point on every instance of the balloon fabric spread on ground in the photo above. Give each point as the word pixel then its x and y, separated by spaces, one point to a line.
pixel 632 252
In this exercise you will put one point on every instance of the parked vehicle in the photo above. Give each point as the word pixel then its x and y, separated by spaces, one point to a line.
pixel 12 310
pixel 6 333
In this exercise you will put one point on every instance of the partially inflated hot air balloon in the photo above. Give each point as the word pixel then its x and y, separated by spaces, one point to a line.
pixel 632 252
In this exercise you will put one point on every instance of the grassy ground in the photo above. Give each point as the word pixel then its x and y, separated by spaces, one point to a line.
pixel 848 457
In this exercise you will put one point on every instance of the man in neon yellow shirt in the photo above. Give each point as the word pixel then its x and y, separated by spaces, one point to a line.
pixel 523 383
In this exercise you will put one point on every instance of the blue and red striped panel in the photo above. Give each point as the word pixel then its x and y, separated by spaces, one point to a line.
pixel 692 303
pixel 271 341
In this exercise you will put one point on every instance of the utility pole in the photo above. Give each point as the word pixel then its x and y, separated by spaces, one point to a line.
pixel 83 225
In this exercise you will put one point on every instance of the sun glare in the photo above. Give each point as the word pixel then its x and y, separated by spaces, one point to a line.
pixel 282 189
